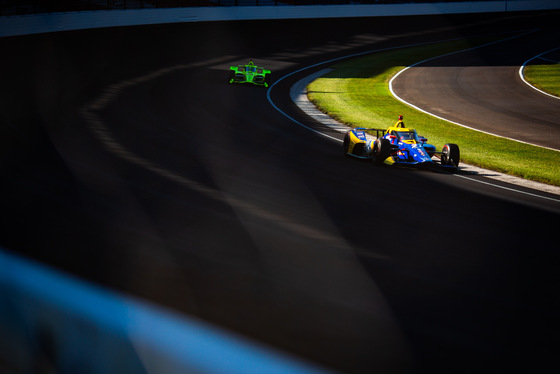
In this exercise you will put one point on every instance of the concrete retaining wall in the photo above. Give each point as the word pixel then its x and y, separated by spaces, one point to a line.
pixel 41 23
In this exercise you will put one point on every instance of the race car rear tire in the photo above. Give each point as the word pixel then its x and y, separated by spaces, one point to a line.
pixel 450 155
pixel 382 150
pixel 346 145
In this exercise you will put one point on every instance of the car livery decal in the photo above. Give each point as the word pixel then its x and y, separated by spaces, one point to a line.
pixel 361 135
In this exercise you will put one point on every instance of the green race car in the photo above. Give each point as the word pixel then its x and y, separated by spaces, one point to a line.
pixel 249 73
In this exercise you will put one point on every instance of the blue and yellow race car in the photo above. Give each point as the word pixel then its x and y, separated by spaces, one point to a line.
pixel 399 146
pixel 249 73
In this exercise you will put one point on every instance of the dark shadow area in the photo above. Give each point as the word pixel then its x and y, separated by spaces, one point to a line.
pixel 197 195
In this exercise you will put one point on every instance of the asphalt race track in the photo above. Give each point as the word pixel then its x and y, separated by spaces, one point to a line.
pixel 129 161
pixel 456 85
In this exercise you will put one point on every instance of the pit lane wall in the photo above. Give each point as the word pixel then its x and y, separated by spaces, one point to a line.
pixel 42 23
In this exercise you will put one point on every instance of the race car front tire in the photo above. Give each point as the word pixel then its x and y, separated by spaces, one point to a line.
pixel 382 150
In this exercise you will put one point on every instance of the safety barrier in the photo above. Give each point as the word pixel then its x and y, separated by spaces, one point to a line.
pixel 52 22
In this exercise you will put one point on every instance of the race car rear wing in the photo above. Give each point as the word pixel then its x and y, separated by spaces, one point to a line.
pixel 378 132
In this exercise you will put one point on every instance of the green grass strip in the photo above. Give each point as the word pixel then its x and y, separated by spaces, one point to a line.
pixel 545 75
pixel 357 93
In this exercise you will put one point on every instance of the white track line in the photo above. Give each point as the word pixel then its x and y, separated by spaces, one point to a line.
pixel 510 189
pixel 453 122
pixel 328 62
pixel 522 68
